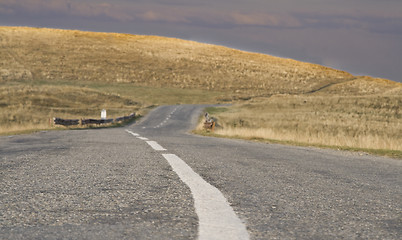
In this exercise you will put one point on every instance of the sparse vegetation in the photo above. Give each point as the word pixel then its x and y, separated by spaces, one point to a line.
pixel 354 121
pixel 26 106
pixel 74 74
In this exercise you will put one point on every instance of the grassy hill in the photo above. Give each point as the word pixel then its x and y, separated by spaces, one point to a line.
pixel 48 72
pixel 47 54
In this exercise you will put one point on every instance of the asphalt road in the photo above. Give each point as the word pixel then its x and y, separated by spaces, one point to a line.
pixel 116 184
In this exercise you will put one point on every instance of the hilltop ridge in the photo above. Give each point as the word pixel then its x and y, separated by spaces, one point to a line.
pixel 46 54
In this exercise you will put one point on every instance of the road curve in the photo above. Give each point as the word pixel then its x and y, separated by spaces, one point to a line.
pixel 121 183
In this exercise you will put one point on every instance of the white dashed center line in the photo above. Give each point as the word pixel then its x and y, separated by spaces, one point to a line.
pixel 167 118
pixel 134 134
pixel 156 146
pixel 217 220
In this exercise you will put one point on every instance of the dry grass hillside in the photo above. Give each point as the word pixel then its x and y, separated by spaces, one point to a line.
pixel 40 54
pixel 47 72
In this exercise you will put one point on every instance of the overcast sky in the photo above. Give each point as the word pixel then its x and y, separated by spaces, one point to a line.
pixel 363 37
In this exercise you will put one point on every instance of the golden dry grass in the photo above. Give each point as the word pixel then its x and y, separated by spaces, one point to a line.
pixel 373 122
pixel 49 54
pixel 31 107
pixel 73 74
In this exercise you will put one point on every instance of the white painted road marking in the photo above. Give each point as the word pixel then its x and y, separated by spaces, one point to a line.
pixel 217 220
pixel 134 134
pixel 166 119
pixel 156 146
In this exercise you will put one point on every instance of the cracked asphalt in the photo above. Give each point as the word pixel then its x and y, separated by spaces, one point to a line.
pixel 108 184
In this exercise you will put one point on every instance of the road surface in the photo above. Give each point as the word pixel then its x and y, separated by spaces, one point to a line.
pixel 154 180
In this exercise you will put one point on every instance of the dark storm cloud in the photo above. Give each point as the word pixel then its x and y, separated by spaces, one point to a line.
pixel 373 23
pixel 184 13
pixel 65 8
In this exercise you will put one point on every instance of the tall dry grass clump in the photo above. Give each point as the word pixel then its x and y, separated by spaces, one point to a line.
pixel 372 122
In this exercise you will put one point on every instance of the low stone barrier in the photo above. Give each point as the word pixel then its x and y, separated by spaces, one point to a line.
pixel 66 122
pixel 125 118
pixel 95 121
pixel 72 122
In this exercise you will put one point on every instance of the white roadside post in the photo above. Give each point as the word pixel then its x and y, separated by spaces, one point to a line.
pixel 103 114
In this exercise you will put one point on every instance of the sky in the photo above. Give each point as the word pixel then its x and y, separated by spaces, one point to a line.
pixel 363 37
